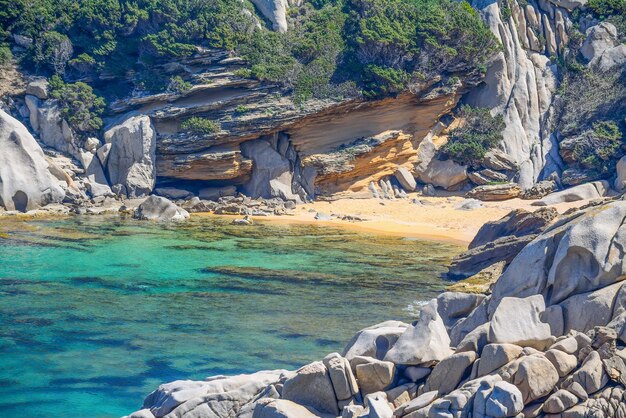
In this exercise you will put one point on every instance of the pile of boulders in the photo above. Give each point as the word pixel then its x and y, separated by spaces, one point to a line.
pixel 239 205
pixel 549 341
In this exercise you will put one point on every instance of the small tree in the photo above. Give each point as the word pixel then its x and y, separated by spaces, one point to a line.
pixel 479 132
pixel 53 50
pixel 79 105
pixel 178 85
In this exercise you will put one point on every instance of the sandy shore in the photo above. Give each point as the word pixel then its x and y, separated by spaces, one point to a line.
pixel 437 218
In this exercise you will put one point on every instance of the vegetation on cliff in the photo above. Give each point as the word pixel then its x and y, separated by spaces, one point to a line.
pixel 591 115
pixel 613 11
pixel 78 104
pixel 478 133
pixel 334 48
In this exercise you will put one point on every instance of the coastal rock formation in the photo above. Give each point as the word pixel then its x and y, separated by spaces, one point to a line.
pixel 157 208
pixel 495 192
pixel 587 191
pixel 25 180
pixel 430 170
pixel 501 240
pixel 130 160
pixel 521 82
pixel 547 342
pixel 275 11
pixel 519 223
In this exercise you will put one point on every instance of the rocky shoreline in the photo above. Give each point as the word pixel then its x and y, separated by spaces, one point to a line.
pixel 546 339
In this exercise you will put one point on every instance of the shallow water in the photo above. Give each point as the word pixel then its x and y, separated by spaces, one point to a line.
pixel 96 312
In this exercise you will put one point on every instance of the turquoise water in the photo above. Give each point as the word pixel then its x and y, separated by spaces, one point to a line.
pixel 96 312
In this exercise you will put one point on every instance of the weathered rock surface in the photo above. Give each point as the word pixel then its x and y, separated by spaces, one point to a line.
pixel 495 192
pixel 275 11
pixel 25 181
pixel 569 258
pixel 424 342
pixel 599 38
pixel 406 179
pixel 519 222
pixel 219 395
pixel 131 159
pixel 373 375
pixel 521 81
pixel 157 208
pixel 518 321
pixel 312 387
pixel 375 341
pixel 586 191
pixel 477 259
pixel 430 170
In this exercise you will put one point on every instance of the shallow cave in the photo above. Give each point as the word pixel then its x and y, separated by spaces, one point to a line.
pixel 20 201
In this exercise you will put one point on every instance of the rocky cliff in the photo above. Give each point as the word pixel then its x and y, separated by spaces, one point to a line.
pixel 550 341
pixel 259 141
pixel 537 37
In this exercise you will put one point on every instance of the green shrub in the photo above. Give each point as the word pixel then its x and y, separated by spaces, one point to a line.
pixel 607 8
pixel 53 50
pixel 78 104
pixel 5 54
pixel 199 125
pixel 241 109
pixel 83 63
pixel 588 96
pixel 178 85
pixel 394 41
pixel 478 133
pixel 505 9
pixel 600 147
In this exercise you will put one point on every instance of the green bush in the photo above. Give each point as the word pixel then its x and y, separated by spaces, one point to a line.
pixel 53 50
pixel 478 133
pixel 78 104
pixel 607 8
pixel 600 147
pixel 5 54
pixel 83 63
pixel 505 9
pixel 588 96
pixel 199 125
pixel 178 85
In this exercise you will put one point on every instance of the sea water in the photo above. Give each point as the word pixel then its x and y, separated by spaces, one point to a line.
pixel 96 312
